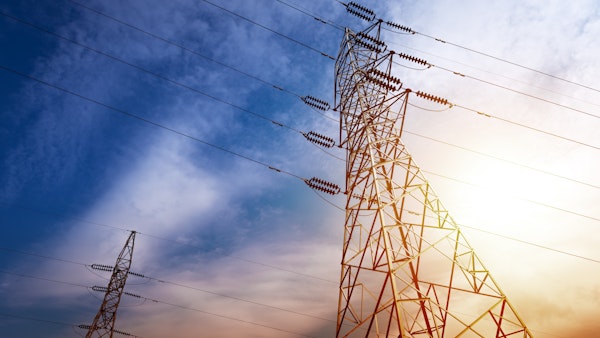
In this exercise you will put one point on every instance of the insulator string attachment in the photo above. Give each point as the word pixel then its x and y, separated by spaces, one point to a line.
pixel 414 59
pixel 322 185
pixel 400 27
pixel 360 11
pixel 315 103
pixel 383 79
pixel 102 267
pixel 319 139
pixel 433 98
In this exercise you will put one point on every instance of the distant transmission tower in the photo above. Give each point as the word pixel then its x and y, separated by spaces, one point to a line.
pixel 104 322
pixel 407 270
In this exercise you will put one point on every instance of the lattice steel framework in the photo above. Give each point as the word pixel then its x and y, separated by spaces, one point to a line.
pixel 407 270
pixel 104 322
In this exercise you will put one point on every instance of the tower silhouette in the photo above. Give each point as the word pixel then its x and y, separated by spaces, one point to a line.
pixel 104 322
pixel 407 270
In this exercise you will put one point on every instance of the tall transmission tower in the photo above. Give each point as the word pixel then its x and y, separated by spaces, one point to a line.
pixel 407 270
pixel 104 322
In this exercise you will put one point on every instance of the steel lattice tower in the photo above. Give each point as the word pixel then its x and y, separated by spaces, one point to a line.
pixel 407 270
pixel 104 322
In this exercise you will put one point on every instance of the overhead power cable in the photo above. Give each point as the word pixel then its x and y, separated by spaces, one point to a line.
pixel 545 247
pixel 506 237
pixel 510 62
pixel 181 84
pixel 167 41
pixel 554 92
pixel 460 73
pixel 159 280
pixel 502 159
pixel 279 268
pixel 270 29
pixel 157 301
pixel 409 30
pixel 162 281
pixel 524 199
pixel 147 121
pixel 40 256
pixel 35 319
pixel 314 183
pixel 189 308
pixel 521 198
pixel 430 65
pixel 164 239
pixel 42 278
pixel 314 16
pixel 446 102
pixel 152 73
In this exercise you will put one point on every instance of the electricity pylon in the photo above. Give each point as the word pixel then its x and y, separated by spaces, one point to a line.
pixel 407 270
pixel 104 322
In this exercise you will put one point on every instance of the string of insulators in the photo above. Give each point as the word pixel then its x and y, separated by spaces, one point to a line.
pixel 99 288
pixel 136 274
pixel 433 98
pixel 383 79
pixel 319 139
pixel 102 267
pixel 104 289
pixel 413 59
pixel 385 76
pixel 315 103
pixel 400 27
pixel 371 38
pixel 368 45
pixel 360 11
pixel 322 185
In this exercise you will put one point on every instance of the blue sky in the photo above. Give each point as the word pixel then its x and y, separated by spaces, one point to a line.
pixel 263 247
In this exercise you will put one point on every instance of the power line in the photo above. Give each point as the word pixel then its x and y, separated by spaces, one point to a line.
pixel 186 86
pixel 531 96
pixel 521 198
pixel 225 317
pixel 40 256
pixel 530 243
pixel 161 302
pixel 159 280
pixel 516 91
pixel 236 298
pixel 277 87
pixel 178 45
pixel 492 73
pixel 147 121
pixel 447 103
pixel 510 62
pixel 162 77
pixel 35 319
pixel 177 83
pixel 502 159
pixel 337 26
pixel 42 278
pixel 156 237
pixel 270 30
pixel 154 74
pixel 314 16
pixel 506 237
pixel 198 289
pixel 194 52
pixel 413 32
